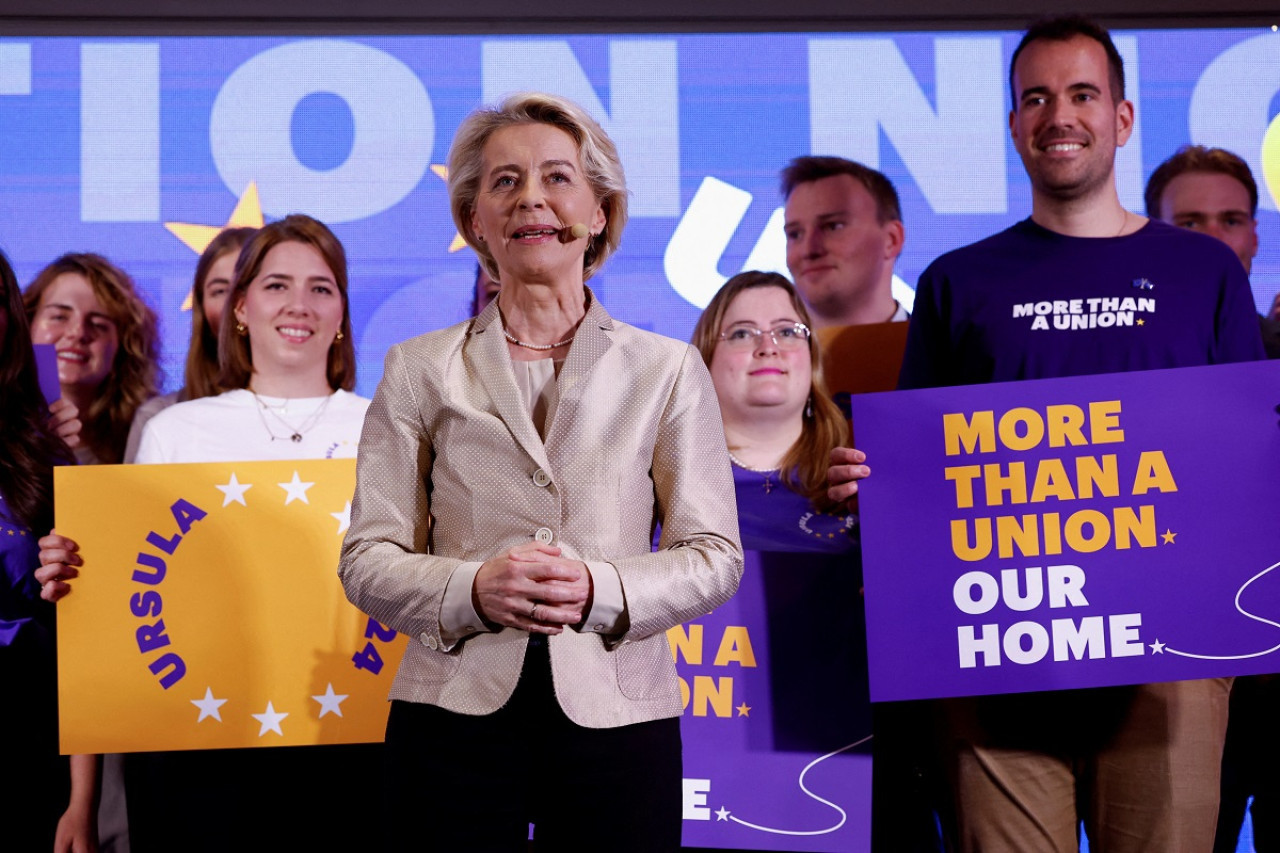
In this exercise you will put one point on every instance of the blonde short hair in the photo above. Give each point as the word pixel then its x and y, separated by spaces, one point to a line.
pixel 596 151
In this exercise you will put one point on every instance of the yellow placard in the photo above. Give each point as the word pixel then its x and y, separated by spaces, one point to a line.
pixel 209 614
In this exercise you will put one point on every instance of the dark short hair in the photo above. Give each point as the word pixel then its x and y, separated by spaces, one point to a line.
pixel 806 170
pixel 1198 158
pixel 234 356
pixel 1065 28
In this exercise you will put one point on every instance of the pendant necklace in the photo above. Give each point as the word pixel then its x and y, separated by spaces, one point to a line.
pixel 295 432
pixel 768 472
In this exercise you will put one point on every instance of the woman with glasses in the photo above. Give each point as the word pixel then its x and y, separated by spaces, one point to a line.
pixel 781 429
pixel 779 423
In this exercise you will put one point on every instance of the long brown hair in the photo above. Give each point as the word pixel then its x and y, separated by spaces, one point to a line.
pixel 134 372
pixel 804 467
pixel 235 358
pixel 201 376
pixel 30 447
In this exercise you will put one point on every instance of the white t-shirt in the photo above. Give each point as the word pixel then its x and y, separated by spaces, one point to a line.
pixel 240 427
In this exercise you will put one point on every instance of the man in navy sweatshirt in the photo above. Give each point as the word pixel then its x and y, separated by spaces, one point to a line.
pixel 1083 286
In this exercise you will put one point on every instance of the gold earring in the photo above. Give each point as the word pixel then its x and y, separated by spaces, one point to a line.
pixel 242 330
pixel 340 336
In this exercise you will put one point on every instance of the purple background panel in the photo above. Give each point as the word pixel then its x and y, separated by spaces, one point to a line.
pixel 1206 594
pixel 47 371
pixel 789 767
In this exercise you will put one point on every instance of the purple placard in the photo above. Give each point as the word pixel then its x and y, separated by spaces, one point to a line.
pixel 47 370
pixel 1156 521
pixel 777 720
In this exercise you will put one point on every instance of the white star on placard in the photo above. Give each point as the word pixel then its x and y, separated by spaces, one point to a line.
pixel 270 720
pixel 209 706
pixel 234 491
pixel 344 517
pixel 722 813
pixel 1157 648
pixel 296 489
pixel 330 701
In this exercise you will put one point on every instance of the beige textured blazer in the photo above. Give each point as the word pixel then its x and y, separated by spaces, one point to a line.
pixel 451 469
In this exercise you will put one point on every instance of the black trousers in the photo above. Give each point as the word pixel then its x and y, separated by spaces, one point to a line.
pixel 476 783
pixel 267 800
pixel 37 780
pixel 1251 765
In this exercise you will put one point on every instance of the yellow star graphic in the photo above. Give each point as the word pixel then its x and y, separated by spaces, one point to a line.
pixel 1141 322
pixel 1168 537
pixel 744 710
pixel 247 214
pixel 442 172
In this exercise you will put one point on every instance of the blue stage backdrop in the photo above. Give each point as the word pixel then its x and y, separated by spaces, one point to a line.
pixel 106 142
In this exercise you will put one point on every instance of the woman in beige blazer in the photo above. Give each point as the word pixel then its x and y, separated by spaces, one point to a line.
pixel 510 474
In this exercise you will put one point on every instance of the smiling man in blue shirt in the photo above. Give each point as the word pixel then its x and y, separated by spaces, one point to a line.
pixel 1082 286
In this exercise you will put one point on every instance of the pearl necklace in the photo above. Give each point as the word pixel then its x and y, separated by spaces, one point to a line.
pixel 736 461
pixel 768 472
pixel 539 347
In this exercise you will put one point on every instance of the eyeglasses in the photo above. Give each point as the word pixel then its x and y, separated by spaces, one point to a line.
pixel 789 337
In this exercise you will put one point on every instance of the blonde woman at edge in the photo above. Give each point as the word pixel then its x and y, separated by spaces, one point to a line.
pixel 510 473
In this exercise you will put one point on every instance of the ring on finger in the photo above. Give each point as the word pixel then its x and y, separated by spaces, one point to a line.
pixel 533 613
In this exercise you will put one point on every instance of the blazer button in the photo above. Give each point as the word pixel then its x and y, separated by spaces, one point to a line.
pixel 428 641
pixel 543 535
pixel 541 478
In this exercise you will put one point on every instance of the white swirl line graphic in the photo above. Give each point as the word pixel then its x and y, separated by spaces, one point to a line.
pixel 843 815
pixel 1243 612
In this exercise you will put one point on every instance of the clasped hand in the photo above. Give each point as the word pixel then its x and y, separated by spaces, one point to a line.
pixel 532 588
